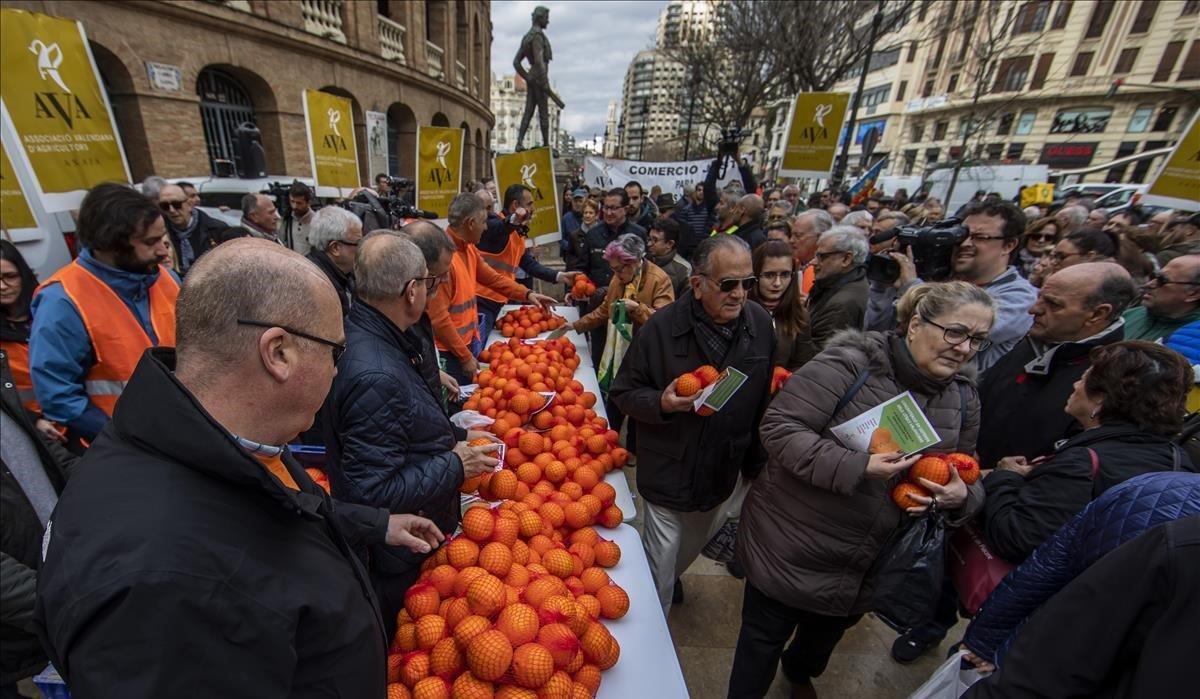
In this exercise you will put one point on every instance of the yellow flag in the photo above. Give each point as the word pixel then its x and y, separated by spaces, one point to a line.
pixel 1040 193
pixel 812 137
pixel 55 106
pixel 439 167
pixel 331 146
pixel 15 213
pixel 1178 183
pixel 534 168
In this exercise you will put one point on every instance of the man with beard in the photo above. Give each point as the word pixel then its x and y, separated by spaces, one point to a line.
pixel 192 232
pixel 95 317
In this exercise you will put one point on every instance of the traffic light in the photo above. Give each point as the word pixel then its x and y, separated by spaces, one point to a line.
pixel 1112 89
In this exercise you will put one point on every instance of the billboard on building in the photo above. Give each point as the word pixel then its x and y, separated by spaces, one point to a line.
pixel 439 167
pixel 54 110
pixel 814 125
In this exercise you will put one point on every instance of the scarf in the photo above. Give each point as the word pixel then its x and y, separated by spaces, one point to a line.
pixel 908 373
pixel 715 339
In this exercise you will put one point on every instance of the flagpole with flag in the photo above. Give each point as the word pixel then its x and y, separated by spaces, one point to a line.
pixel 864 187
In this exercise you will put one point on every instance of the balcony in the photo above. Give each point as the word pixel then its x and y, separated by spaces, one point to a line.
pixel 391 40
pixel 460 76
pixel 323 18
pixel 435 57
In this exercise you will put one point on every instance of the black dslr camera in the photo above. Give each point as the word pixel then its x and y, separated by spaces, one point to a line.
pixel 932 250
pixel 385 212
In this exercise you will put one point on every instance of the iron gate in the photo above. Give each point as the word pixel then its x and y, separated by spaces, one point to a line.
pixel 224 105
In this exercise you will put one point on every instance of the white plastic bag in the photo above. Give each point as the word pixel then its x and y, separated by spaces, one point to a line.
pixel 949 681
pixel 471 420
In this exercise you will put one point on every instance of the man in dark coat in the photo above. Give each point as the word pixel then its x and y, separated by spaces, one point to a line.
pixel 334 234
pixel 192 232
pixel 215 566
pixel 390 444
pixel 688 465
pixel 34 472
pixel 839 293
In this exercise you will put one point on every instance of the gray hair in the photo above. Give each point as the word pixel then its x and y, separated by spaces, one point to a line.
pixel 1115 288
pixel 784 205
pixel 848 239
pixel 1076 215
pixel 249 204
pixel 1102 211
pixel 464 206
pixel 702 257
pixel 631 244
pixel 855 217
pixel 384 265
pixel 329 224
pixel 822 221
pixel 152 185
pixel 689 190
pixel 432 240
pixel 935 299
pixel 792 188
pixel 1032 212
pixel 899 218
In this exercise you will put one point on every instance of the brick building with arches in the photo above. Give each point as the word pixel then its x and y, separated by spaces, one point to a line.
pixel 183 74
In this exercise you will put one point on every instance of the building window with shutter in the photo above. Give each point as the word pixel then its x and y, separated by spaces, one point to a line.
pixel 1025 123
pixel 901 90
pixel 1166 64
pixel 1191 63
pixel 1166 115
pixel 1190 7
pixel 1125 61
pixel 1015 150
pixel 1012 74
pixel 1101 13
pixel 1083 61
pixel 1140 121
pixel 1031 17
pixel 1145 17
pixel 939 130
pixel 1043 69
pixel 1061 14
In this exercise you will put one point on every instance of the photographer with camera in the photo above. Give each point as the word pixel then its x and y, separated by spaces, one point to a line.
pixel 727 148
pixel 502 248
pixel 978 250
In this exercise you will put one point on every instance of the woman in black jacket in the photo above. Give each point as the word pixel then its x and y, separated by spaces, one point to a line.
pixel 1130 403
pixel 778 291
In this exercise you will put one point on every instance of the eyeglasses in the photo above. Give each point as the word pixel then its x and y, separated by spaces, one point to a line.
pixel 728 285
pixel 956 336
pixel 785 275
pixel 338 348
pixel 1042 237
pixel 168 205
pixel 822 255
pixel 430 282
pixel 1059 258
pixel 344 242
pixel 10 277
pixel 979 237
pixel 1161 279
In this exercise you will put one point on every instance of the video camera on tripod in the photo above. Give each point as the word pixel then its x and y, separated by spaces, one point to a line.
pixel 391 211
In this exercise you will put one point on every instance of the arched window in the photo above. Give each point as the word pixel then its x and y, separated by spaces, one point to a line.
pixel 224 105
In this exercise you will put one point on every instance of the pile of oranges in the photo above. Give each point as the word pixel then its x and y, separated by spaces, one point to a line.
pixel 528 322
pixel 511 607
pixel 692 382
pixel 935 469
pixel 583 288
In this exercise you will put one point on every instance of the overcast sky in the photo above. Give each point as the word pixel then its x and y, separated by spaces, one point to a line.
pixel 593 43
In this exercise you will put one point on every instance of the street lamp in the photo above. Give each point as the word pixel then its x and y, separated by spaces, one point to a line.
pixel 1117 84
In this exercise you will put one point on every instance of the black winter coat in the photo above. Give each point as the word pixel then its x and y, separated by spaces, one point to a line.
pixel 1023 411
pixel 1020 513
pixel 687 462
pixel 21 653
pixel 597 238
pixel 179 566
pixel 837 304
pixel 389 442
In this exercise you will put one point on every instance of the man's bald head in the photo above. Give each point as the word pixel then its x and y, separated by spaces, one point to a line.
pixel 247 279
pixel 384 266
pixel 838 211
pixel 1077 302
pixel 435 245
pixel 752 207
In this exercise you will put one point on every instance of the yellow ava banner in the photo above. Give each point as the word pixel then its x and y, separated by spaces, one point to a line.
pixel 812 137
pixel 53 104
pixel 439 167
pixel 331 145
pixel 15 213
pixel 1178 183
pixel 533 168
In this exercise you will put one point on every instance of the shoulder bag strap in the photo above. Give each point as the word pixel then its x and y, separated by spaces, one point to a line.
pixel 1095 462
pixel 848 396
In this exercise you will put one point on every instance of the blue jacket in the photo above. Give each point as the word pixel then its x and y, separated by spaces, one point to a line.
pixel 1120 514
pixel 389 443
pixel 60 351
pixel 1186 341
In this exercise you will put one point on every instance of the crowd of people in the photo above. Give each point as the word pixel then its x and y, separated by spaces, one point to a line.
pixel 158 527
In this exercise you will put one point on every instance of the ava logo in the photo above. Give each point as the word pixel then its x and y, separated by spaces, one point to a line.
pixel 334 117
pixel 821 112
pixel 54 105
pixel 441 174
pixel 49 59
pixel 528 170
pixel 443 149
pixel 334 141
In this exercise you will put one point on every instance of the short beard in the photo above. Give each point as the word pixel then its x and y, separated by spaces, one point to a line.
pixel 127 261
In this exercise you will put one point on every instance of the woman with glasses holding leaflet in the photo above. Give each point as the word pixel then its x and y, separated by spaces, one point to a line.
pixel 819 514
pixel 778 291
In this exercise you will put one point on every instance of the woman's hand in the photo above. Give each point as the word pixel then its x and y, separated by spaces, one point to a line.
pixel 1017 464
pixel 951 496
pixel 631 306
pixel 884 466
pixel 49 431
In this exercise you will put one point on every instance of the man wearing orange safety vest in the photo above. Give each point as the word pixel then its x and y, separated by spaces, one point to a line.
pixel 94 318
pixel 452 309
pixel 502 247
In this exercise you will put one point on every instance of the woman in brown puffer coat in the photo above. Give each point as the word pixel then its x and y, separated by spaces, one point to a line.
pixel 816 518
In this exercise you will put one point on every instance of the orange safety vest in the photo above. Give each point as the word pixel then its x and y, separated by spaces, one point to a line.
pixel 118 339
pixel 18 363
pixel 807 277
pixel 463 314
pixel 505 262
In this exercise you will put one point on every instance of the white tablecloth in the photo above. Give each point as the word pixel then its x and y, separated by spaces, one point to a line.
pixel 648 666
pixel 586 375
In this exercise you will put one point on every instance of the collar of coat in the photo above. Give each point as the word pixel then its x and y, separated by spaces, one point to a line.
pixel 683 322
pixel 1044 355
pixel 159 415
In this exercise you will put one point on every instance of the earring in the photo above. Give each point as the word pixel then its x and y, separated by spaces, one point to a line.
pixel 1094 414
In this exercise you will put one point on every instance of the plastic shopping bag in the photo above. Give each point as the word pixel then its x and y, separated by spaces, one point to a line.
pixel 949 681
pixel 908 572
pixel 619 334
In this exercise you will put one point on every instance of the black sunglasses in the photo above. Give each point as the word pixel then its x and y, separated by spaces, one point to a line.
pixel 168 205
pixel 338 348
pixel 728 285
pixel 1161 279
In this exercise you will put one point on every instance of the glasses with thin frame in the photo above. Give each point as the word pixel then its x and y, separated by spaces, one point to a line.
pixel 430 282
pixel 337 347
pixel 956 336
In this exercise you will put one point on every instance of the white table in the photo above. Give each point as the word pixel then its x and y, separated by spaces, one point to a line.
pixel 648 666
pixel 586 375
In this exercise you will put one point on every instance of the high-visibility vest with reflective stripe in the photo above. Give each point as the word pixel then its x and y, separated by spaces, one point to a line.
pixel 463 314
pixel 505 262
pixel 18 364
pixel 728 231
pixel 118 339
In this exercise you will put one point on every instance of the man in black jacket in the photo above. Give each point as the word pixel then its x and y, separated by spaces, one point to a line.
pixel 688 465
pixel 839 293
pixel 34 472
pixel 390 444
pixel 192 232
pixel 334 234
pixel 214 566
